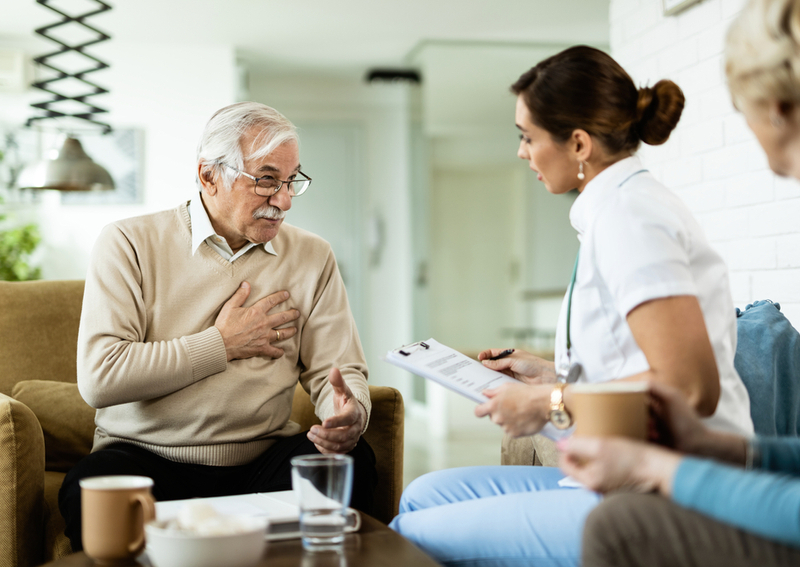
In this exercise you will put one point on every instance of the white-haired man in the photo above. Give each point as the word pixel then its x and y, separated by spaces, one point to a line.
pixel 198 322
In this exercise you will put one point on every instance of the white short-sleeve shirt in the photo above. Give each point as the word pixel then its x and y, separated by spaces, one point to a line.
pixel 639 242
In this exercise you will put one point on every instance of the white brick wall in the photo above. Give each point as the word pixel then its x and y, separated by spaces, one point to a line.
pixel 712 160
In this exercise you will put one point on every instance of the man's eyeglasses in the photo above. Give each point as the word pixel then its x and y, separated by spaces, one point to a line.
pixel 267 186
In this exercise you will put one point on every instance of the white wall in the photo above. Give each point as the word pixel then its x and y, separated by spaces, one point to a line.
pixel 712 160
pixel 475 259
pixel 552 245
pixel 167 91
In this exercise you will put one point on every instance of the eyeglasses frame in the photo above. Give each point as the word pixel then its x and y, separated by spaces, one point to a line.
pixel 280 181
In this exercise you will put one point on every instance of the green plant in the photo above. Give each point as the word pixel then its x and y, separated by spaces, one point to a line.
pixel 17 243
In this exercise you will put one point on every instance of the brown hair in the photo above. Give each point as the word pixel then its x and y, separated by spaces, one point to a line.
pixel 584 88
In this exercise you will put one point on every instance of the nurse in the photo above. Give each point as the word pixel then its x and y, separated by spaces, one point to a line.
pixel 649 300
pixel 714 500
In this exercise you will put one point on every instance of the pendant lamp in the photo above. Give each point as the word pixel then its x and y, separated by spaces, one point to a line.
pixel 70 168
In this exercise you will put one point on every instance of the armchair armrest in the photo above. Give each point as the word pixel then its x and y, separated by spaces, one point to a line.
pixel 385 434
pixel 535 450
pixel 21 485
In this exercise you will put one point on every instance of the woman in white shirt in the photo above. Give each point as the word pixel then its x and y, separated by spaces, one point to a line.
pixel 649 300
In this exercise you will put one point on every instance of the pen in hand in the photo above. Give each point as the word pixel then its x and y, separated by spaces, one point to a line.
pixel 503 354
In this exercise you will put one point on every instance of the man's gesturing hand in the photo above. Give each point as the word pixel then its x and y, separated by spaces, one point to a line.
pixel 340 433
pixel 250 331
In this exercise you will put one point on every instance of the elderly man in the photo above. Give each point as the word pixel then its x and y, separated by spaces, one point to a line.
pixel 199 321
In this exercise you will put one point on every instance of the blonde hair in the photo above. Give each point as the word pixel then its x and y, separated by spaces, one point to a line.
pixel 762 52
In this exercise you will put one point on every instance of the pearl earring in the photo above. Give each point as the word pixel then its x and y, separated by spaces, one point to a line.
pixel 581 176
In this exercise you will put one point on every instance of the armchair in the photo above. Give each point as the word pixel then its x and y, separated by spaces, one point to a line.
pixel 46 427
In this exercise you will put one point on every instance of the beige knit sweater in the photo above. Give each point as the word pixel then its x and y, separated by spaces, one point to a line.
pixel 152 362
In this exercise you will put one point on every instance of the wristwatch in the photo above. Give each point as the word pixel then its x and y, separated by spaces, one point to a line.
pixel 559 416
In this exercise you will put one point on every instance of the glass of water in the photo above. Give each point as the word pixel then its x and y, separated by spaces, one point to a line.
pixel 322 484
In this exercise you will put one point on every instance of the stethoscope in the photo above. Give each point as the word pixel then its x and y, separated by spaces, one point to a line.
pixel 568 371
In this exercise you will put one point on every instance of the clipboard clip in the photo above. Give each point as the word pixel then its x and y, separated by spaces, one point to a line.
pixel 413 347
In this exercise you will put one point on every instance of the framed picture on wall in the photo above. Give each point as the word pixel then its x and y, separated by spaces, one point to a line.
pixel 672 7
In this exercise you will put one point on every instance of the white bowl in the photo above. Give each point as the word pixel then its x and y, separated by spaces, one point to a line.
pixel 171 548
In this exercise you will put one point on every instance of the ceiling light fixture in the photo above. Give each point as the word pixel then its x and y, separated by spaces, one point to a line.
pixel 387 75
pixel 70 168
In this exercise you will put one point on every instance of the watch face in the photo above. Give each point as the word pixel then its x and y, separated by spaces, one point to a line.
pixel 560 418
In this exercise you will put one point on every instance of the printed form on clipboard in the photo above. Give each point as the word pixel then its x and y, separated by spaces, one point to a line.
pixel 448 367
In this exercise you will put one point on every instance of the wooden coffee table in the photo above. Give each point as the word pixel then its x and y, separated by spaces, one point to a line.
pixel 375 545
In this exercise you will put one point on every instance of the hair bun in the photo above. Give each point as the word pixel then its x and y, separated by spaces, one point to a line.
pixel 658 110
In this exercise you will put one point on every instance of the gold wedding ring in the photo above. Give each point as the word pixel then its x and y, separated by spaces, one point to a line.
pixel 279 334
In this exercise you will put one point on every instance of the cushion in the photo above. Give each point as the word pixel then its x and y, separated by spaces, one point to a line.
pixel 67 420
pixel 768 360
pixel 527 451
pixel 39 331
pixel 21 484
pixel 516 451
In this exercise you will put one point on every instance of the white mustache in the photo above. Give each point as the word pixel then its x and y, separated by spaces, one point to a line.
pixel 269 212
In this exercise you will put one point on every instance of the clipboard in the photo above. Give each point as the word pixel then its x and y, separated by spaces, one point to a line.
pixel 448 367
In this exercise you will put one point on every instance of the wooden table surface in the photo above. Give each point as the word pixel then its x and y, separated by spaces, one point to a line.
pixel 375 545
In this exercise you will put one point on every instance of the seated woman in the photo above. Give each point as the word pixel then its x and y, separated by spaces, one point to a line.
pixel 650 300
pixel 722 515
pixel 706 512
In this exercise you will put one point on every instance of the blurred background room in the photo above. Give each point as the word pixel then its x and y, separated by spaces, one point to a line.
pixel 407 128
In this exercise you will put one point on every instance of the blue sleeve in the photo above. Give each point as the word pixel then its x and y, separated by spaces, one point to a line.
pixel 779 454
pixel 760 502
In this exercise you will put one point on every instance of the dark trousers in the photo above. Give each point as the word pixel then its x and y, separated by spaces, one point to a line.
pixel 645 530
pixel 177 481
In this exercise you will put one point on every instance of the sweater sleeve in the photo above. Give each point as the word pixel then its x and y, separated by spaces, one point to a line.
pixel 115 364
pixel 779 454
pixel 764 503
pixel 330 340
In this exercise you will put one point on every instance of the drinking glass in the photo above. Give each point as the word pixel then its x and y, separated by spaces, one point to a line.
pixel 323 484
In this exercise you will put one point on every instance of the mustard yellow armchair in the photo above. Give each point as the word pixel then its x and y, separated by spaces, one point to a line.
pixel 46 427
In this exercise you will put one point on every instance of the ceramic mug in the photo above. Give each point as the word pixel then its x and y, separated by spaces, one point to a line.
pixel 114 510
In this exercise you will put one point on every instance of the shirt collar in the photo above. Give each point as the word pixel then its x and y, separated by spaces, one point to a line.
pixel 600 189
pixel 202 228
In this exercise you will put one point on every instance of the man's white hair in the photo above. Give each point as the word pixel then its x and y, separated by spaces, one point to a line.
pixel 221 141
